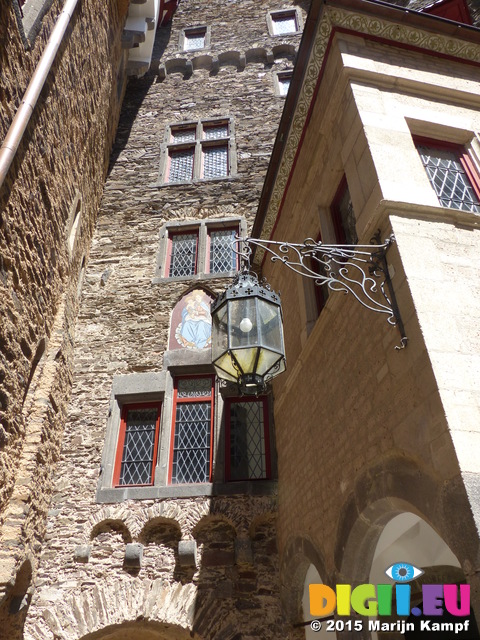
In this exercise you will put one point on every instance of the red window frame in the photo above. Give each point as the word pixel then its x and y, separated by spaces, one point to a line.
pixel 171 235
pixel 462 154
pixel 121 442
pixel 176 401
pixel 234 228
pixel 266 435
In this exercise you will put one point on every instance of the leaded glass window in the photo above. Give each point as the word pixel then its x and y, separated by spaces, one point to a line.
pixel 183 255
pixel 248 457
pixel 137 445
pixel 192 433
pixel 215 162
pixel 194 39
pixel 181 165
pixel 446 171
pixel 216 132
pixel 222 255
pixel 183 135
pixel 284 82
pixel 284 23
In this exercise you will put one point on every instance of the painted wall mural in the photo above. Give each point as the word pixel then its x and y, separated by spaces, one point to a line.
pixel 191 326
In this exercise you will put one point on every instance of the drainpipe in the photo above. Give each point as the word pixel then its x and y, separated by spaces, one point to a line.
pixel 24 113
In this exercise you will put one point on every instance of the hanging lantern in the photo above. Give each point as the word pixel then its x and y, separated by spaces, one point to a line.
pixel 247 334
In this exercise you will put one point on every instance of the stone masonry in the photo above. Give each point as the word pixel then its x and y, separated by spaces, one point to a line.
pixel 48 207
pixel 91 577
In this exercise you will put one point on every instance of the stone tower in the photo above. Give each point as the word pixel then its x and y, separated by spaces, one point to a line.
pixel 160 520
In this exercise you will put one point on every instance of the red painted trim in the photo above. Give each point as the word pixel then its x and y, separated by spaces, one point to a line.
pixel 266 435
pixel 365 36
pixel 168 260
pixel 176 401
pixel 121 441
pixel 471 172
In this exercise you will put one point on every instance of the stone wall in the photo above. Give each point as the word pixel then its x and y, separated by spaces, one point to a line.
pixel 57 173
pixel 123 328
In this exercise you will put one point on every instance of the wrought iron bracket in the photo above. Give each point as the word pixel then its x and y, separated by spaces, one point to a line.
pixel 361 270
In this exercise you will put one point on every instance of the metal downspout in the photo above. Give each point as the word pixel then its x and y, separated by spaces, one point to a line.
pixel 24 113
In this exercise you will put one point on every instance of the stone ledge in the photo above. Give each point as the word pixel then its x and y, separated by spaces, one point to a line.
pixel 253 488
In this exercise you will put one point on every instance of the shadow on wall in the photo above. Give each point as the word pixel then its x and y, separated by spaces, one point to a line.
pixel 135 93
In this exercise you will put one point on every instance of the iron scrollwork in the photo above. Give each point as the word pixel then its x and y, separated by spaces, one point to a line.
pixel 360 270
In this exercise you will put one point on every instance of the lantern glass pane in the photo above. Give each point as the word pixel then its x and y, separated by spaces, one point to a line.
pixel 267 361
pixel 270 321
pixel 219 332
pixel 225 369
pixel 246 358
pixel 242 322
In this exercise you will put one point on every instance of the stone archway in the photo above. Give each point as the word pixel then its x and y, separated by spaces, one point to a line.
pixel 141 630
pixel 301 564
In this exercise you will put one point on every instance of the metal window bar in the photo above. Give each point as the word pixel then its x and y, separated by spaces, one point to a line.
pixel 222 256
pixel 247 441
pixel 139 445
pixel 215 161
pixel 449 179
pixel 183 257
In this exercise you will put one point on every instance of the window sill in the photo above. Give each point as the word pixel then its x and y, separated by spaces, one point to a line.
pixel 195 278
pixel 286 35
pixel 245 487
pixel 162 185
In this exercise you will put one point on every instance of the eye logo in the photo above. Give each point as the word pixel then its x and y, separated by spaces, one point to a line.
pixel 403 572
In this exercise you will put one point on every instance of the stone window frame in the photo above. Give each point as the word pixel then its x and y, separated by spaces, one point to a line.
pixel 184 33
pixel 158 387
pixel 278 13
pixel 169 145
pixel 203 229
pixel 278 75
